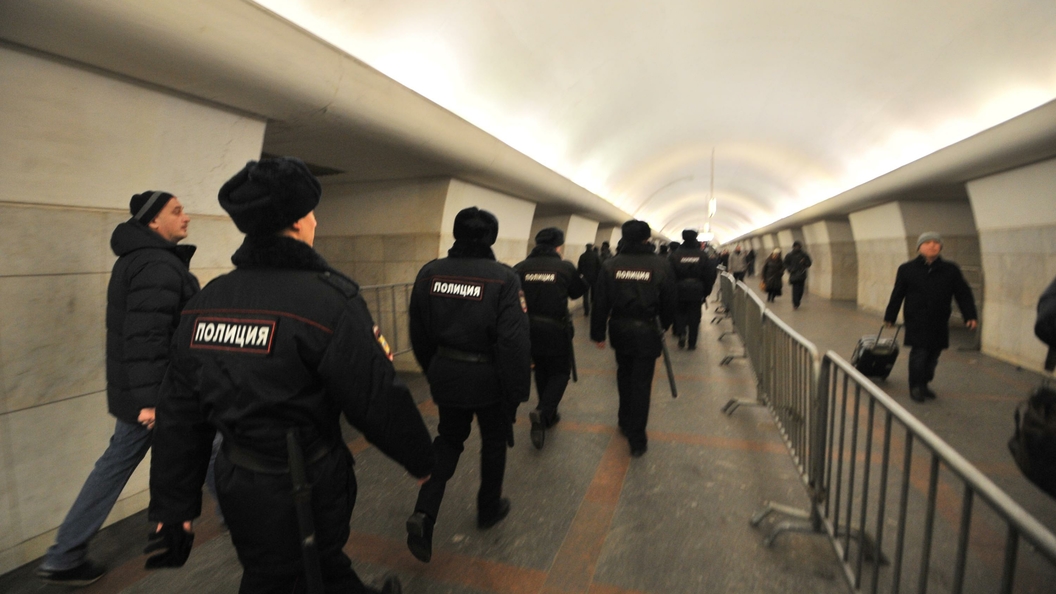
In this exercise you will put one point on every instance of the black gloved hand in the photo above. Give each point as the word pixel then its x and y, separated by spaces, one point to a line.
pixel 174 543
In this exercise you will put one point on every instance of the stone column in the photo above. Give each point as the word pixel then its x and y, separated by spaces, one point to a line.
pixel 1016 215
pixel 886 236
pixel 834 274
pixel 382 233
pixel 579 231
pixel 77 145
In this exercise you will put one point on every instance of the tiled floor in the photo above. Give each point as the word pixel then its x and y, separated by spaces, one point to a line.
pixel 588 518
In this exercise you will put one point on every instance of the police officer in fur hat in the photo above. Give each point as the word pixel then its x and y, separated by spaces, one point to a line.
pixel 469 333
pixel 635 289
pixel 695 274
pixel 270 355
pixel 549 282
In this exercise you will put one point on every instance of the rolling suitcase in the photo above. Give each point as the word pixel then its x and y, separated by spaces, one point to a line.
pixel 875 356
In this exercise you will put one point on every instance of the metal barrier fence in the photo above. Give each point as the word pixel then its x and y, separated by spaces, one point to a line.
pixel 389 305
pixel 846 438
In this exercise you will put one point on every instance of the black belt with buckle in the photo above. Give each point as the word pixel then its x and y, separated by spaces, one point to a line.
pixel 468 357
pixel 250 460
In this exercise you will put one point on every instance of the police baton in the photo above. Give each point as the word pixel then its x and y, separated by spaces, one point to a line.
pixel 572 353
pixel 667 359
pixel 302 503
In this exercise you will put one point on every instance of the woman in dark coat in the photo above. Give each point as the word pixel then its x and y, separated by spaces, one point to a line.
pixel 773 270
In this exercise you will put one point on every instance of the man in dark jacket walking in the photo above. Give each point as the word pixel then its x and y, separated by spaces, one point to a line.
pixel 1045 325
pixel 549 282
pixel 636 299
pixel 588 266
pixel 149 286
pixel 927 284
pixel 695 274
pixel 469 333
pixel 270 355
pixel 796 264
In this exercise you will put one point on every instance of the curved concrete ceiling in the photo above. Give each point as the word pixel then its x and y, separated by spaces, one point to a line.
pixel 607 109
pixel 801 101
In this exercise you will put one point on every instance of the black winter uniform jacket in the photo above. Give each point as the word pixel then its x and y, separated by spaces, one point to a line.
pixel 150 283
pixel 283 341
pixel 694 271
pixel 472 304
pixel 589 265
pixel 549 282
pixel 927 291
pixel 1045 325
pixel 635 286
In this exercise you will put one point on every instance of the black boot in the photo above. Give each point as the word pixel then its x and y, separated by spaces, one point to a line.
pixel 420 537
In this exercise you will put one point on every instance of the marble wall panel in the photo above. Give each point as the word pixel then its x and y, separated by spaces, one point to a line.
pixel 10 526
pixel 1018 264
pixel 217 238
pixel 52 337
pixel 844 270
pixel 821 270
pixel 54 447
pixel 39 240
pixel 878 262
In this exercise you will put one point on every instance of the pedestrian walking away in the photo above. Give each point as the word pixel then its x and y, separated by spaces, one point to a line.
pixel 469 332
pixel 635 289
pixel 588 266
pixel 270 355
pixel 695 275
pixel 773 272
pixel 738 263
pixel 927 284
pixel 796 263
pixel 149 286
pixel 548 283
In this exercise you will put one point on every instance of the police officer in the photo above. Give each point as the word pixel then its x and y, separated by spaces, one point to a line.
pixel 469 332
pixel 695 274
pixel 270 355
pixel 635 288
pixel 549 282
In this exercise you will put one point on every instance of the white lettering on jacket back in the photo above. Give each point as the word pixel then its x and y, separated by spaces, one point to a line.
pixel 233 334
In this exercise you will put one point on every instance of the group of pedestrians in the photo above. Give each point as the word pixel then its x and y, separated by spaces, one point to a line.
pixel 270 355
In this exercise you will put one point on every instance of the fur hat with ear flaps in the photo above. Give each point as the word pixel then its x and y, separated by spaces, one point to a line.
pixel 269 195
pixel 478 226
pixel 636 231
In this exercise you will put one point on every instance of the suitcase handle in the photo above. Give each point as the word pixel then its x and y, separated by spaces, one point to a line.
pixel 898 327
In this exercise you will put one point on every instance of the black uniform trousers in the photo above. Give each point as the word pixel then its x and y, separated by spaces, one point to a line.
pixel 922 363
pixel 797 292
pixel 687 321
pixel 586 299
pixel 259 511
pixel 452 432
pixel 634 381
pixel 551 379
pixel 739 276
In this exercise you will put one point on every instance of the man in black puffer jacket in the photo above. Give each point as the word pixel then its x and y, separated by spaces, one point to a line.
pixel 270 355
pixel 149 286
pixel 636 297
pixel 469 332
pixel 549 282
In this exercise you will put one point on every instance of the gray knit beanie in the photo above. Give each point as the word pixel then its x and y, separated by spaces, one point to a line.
pixel 928 236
